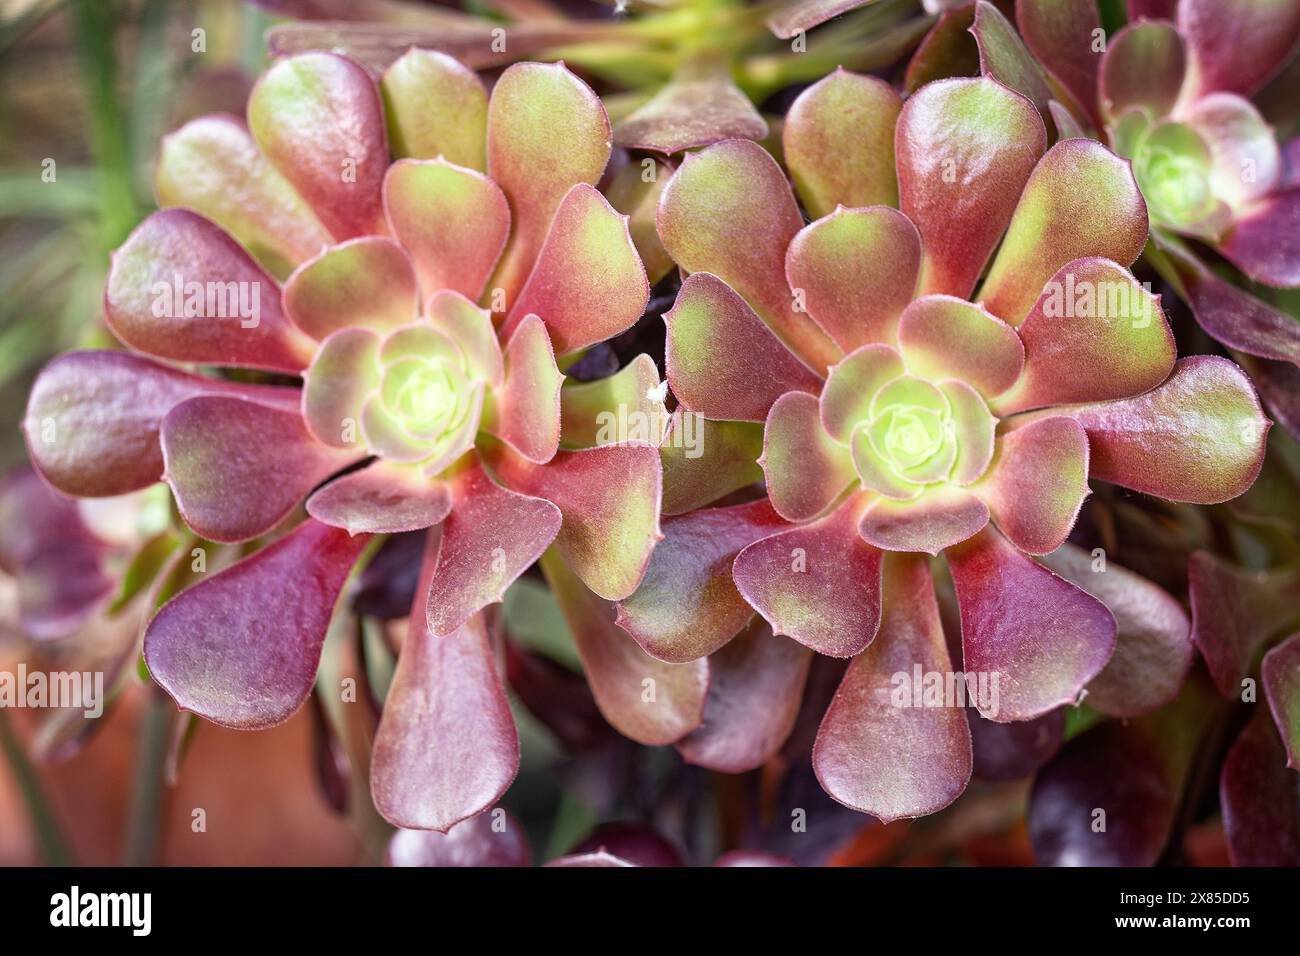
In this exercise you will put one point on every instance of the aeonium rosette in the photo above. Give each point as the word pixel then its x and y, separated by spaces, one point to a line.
pixel 419 407
pixel 906 417
pixel 1173 95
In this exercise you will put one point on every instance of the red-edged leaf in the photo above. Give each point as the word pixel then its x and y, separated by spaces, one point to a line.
pixel 181 288
pixel 92 418
pixel 687 605
pixel 609 497
pixel 219 654
pixel 880 749
pixel 818 583
pixel 1153 647
pixel 645 699
pixel 494 838
pixel 491 537
pixel 1260 796
pixel 238 468
pixel 755 687
pixel 1043 637
pixel 318 118
pixel 446 747
pixel 1236 612
pixel 1134 772
pixel 382 498
pixel 965 149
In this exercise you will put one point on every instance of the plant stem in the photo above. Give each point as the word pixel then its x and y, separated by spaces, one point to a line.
pixel 146 788
pixel 95 21
pixel 53 847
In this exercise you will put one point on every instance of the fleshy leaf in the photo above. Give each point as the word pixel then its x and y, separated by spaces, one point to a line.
pixel 435 107
pixel 942 337
pixel 1143 67
pixel 363 283
pixel 1061 34
pixel 212 166
pixel 1153 648
pixel 851 384
pixel 1233 316
pixel 1135 771
pixel 56 561
pixel 689 113
pixel 588 284
pixel 965 149
pixel 1281 674
pixel 238 468
pixel 1094 334
pixel 875 755
pixel 525 412
pixel 471 329
pixel 341 377
pixel 839 143
pixel 1017 749
pixel 1246 161
pixel 1263 241
pixel 1004 57
pixel 93 417
pixel 687 605
pixel 385 435
pixel 598 859
pixel 534 107
pixel 1199 437
pixel 591 411
pixel 629 192
pixel 1235 613
pixel 1037 483
pixel 806 469
pixel 856 270
pixel 946 51
pixel 637 843
pixel 721 360
pixel 819 583
pixel 729 211
pixel 704 460
pixel 1260 797
pixel 941 516
pixel 1067 127
pixel 609 497
pixel 618 669
pixel 452 221
pixel 477 841
pixel 382 498
pixel 180 288
pixel 1235 45
pixel 973 428
pixel 1080 201
pixel 318 118
pixel 756 684
pixel 802 15
pixel 1043 637
pixel 219 654
pixel 446 747
pixel 490 538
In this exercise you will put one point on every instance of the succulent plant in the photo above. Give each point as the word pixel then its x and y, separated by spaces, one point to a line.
pixel 933 498
pixel 1170 91
pixel 418 409
pixel 909 414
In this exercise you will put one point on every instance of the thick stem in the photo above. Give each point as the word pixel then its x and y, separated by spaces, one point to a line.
pixel 147 786
pixel 53 847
